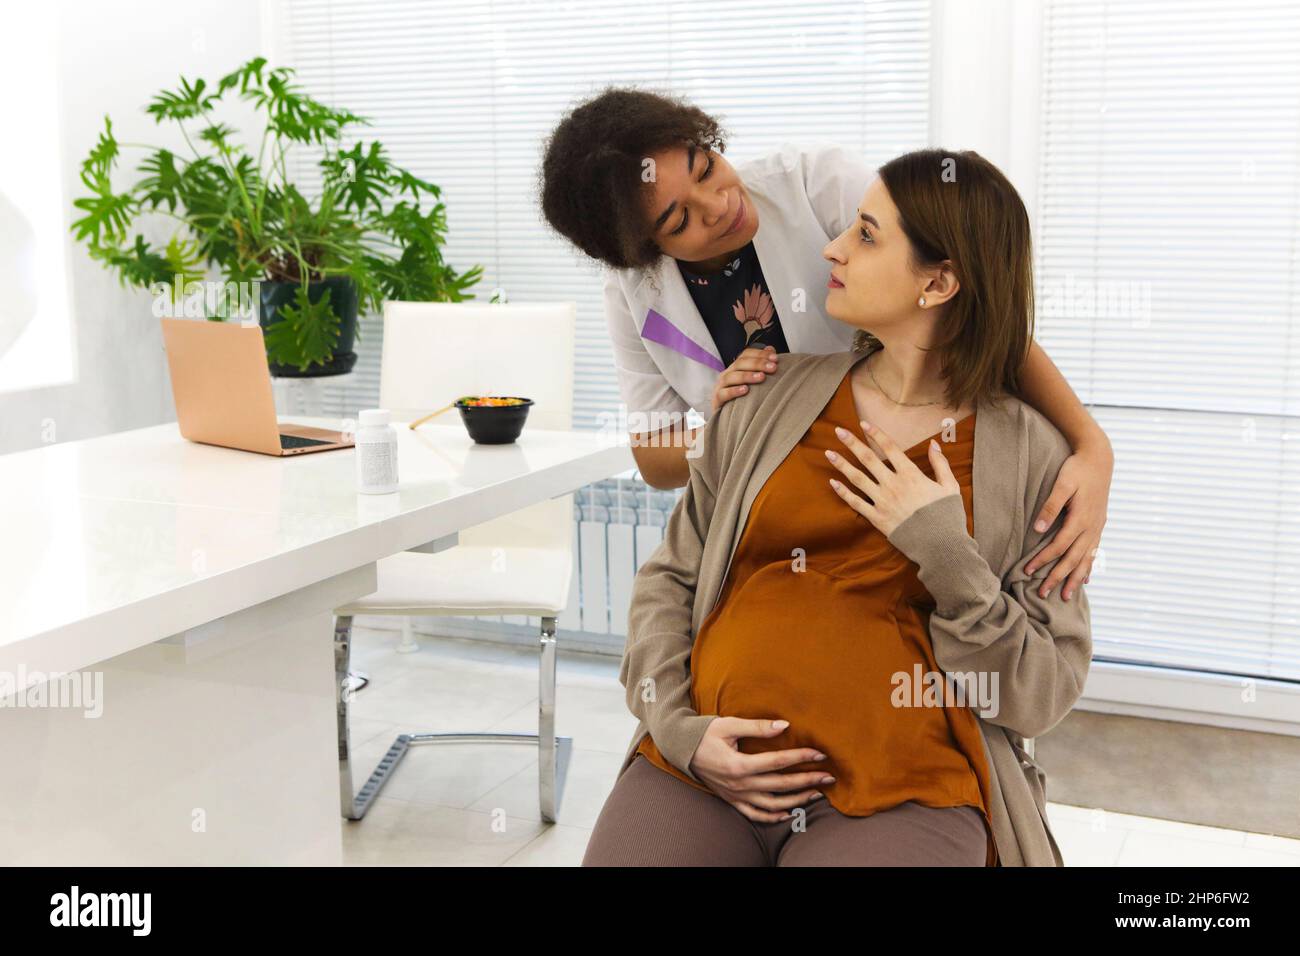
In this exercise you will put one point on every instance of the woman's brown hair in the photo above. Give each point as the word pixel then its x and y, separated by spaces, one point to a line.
pixel 959 207
pixel 591 175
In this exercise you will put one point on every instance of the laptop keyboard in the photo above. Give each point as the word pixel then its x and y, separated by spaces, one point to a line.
pixel 293 441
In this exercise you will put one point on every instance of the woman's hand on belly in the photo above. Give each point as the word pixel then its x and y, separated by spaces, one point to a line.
pixel 754 783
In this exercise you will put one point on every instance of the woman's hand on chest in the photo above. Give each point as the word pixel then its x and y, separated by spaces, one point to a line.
pixel 889 496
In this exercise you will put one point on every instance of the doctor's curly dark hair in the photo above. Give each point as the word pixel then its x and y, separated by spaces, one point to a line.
pixel 591 174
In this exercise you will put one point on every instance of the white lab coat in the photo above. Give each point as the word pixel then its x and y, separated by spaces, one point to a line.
pixel 804 197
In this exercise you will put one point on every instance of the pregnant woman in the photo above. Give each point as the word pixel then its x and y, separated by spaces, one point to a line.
pixel 835 655
pixel 715 271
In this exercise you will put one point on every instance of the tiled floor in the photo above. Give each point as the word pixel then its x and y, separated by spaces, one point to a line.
pixel 476 804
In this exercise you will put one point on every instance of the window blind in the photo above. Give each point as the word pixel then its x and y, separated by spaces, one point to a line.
pixel 464 93
pixel 1167 242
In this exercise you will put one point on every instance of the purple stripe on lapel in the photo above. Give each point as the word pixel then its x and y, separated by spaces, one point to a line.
pixel 658 329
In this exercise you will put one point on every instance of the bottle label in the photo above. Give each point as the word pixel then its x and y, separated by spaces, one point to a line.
pixel 376 464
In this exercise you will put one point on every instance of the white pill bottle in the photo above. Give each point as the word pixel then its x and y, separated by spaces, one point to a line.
pixel 376 442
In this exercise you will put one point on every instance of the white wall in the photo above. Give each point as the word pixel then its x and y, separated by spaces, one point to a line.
pixel 112 58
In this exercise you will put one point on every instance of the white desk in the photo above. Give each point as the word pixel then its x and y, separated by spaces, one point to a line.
pixel 198 583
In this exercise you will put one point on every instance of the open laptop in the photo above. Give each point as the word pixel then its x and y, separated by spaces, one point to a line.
pixel 222 386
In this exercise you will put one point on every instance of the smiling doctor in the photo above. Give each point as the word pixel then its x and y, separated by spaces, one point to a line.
pixel 716 270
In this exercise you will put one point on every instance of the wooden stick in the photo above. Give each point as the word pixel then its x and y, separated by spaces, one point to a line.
pixel 420 421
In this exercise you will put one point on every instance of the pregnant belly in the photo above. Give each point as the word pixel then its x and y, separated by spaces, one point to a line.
pixel 832 658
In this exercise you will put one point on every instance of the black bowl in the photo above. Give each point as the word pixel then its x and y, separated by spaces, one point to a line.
pixel 494 424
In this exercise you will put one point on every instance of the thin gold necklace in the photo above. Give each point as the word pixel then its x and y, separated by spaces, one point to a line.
pixel 872 373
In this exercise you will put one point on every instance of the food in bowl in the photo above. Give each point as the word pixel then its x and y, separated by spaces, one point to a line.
pixel 491 401
pixel 493 419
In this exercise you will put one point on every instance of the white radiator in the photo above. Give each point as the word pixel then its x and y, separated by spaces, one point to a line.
pixel 617 524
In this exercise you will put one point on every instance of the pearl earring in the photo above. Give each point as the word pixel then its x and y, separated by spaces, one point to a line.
pixel 921 301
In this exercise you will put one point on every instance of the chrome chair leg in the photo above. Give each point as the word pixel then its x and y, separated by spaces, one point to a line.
pixel 553 753
pixel 548 787
pixel 343 688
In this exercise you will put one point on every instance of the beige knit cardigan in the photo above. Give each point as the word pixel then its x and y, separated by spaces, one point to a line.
pixel 988 616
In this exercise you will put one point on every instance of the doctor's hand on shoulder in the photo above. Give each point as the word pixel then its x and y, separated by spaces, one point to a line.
pixel 751 366
pixel 663 463
pixel 754 783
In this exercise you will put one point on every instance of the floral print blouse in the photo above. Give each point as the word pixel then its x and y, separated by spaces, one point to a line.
pixel 736 305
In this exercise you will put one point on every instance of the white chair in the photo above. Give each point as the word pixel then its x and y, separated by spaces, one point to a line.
pixel 518 564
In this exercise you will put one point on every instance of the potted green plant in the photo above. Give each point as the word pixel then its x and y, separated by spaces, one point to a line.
pixel 370 230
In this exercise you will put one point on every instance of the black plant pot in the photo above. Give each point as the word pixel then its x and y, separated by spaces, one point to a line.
pixel 343 300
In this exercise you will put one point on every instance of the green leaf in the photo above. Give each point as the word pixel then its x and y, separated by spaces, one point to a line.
pixel 306 333
pixel 296 116
pixel 405 182
pixel 140 266
pixel 185 103
pixel 162 181
pixel 218 135
pixel 361 177
pixel 184 259
pixel 107 217
pixel 103 156
pixel 247 76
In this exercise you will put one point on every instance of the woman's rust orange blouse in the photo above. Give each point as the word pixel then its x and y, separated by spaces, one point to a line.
pixel 824 623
